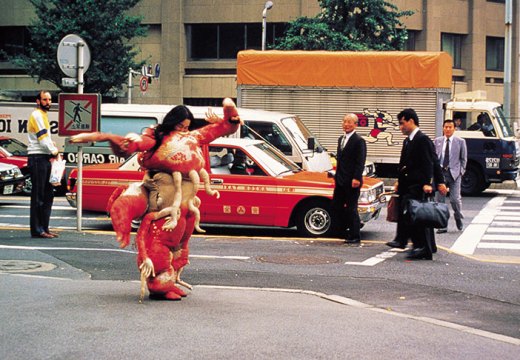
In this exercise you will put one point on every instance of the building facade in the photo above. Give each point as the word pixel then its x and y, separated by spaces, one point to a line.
pixel 196 41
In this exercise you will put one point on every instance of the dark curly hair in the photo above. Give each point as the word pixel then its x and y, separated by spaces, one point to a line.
pixel 174 117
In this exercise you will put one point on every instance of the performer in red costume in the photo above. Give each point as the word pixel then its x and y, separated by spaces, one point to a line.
pixel 163 237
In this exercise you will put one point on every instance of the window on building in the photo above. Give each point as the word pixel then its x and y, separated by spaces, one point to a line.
pixel 13 40
pixel 494 53
pixel 224 41
pixel 452 44
pixel 410 43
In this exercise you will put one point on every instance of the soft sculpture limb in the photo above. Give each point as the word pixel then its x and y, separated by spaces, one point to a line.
pixel 118 143
pixel 127 203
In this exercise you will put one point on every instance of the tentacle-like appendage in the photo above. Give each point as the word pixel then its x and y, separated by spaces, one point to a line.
pixel 180 282
pixel 207 185
pixel 195 180
pixel 177 198
pixel 193 207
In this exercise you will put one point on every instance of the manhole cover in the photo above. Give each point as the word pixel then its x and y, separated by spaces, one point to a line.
pixel 24 266
pixel 298 260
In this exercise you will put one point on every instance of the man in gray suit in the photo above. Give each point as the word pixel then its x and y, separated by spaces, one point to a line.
pixel 452 154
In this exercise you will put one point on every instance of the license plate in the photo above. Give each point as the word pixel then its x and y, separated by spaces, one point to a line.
pixel 8 189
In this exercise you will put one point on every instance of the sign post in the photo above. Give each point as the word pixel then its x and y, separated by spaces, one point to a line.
pixel 78 113
pixel 74 60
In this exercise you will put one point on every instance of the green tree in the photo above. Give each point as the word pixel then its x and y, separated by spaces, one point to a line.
pixel 105 27
pixel 348 25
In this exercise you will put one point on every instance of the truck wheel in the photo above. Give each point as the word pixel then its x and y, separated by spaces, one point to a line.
pixel 472 181
pixel 315 219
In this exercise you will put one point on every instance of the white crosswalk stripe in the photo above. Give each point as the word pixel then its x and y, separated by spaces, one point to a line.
pixel 496 228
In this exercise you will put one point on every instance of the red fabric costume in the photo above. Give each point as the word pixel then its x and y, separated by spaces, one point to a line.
pixel 162 249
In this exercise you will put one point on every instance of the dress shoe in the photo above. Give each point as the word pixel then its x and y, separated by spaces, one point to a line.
pixel 395 244
pixel 353 241
pixel 442 231
pixel 53 234
pixel 43 235
pixel 419 254
pixel 459 223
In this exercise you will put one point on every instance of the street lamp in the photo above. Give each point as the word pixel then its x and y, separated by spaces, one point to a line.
pixel 268 5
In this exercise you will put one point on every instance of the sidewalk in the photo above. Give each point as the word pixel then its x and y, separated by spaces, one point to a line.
pixel 57 318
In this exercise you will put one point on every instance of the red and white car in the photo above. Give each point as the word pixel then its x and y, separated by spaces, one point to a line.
pixel 14 152
pixel 257 185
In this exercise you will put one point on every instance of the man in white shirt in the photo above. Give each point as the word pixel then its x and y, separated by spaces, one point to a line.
pixel 40 150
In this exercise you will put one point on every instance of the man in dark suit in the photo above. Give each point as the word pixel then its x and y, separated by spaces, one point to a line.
pixel 351 156
pixel 416 170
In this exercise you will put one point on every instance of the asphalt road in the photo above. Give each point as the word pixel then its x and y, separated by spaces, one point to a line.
pixel 263 293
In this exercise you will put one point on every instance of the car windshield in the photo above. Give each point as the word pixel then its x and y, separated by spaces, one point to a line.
pixel 271 159
pixel 502 122
pixel 299 132
pixel 14 146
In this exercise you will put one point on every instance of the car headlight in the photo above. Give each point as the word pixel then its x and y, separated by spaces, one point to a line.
pixel 371 195
pixel 368 196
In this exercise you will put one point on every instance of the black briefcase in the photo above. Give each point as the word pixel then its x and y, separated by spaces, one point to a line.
pixel 427 213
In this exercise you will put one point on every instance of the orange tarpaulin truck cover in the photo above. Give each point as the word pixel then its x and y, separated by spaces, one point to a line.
pixel 358 69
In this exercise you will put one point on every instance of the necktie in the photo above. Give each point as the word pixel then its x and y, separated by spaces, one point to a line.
pixel 343 142
pixel 446 161
pixel 406 143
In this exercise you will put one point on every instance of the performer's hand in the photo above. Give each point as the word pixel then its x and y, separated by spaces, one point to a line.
pixel 427 189
pixel 442 189
pixel 356 183
pixel 146 268
pixel 211 117
pixel 129 138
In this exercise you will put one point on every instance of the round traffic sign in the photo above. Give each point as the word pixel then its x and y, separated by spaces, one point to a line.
pixel 68 55
pixel 143 83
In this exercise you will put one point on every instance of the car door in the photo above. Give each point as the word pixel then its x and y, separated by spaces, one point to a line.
pixel 248 196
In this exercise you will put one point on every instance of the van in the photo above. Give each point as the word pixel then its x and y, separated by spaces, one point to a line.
pixel 284 131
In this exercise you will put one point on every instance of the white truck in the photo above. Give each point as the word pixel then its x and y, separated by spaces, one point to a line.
pixel 321 87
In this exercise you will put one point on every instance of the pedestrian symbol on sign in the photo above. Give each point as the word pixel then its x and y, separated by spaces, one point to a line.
pixel 78 113
pixel 74 115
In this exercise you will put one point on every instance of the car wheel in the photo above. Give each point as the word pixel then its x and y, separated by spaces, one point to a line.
pixel 27 188
pixel 314 219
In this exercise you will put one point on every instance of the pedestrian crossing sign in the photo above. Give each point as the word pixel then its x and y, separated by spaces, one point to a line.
pixel 78 113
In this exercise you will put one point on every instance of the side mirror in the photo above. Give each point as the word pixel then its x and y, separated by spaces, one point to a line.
pixel 311 143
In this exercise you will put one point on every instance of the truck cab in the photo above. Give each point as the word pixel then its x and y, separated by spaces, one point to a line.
pixel 493 151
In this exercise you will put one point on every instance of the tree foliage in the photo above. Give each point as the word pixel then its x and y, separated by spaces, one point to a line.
pixel 105 27
pixel 348 25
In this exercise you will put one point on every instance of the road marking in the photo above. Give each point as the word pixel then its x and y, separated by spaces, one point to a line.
pixel 54 207
pixel 60 217
pixel 39 248
pixel 506 246
pixel 493 229
pixel 499 237
pixel 468 241
pixel 512 218
pixel 509 208
pixel 505 223
pixel 374 260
